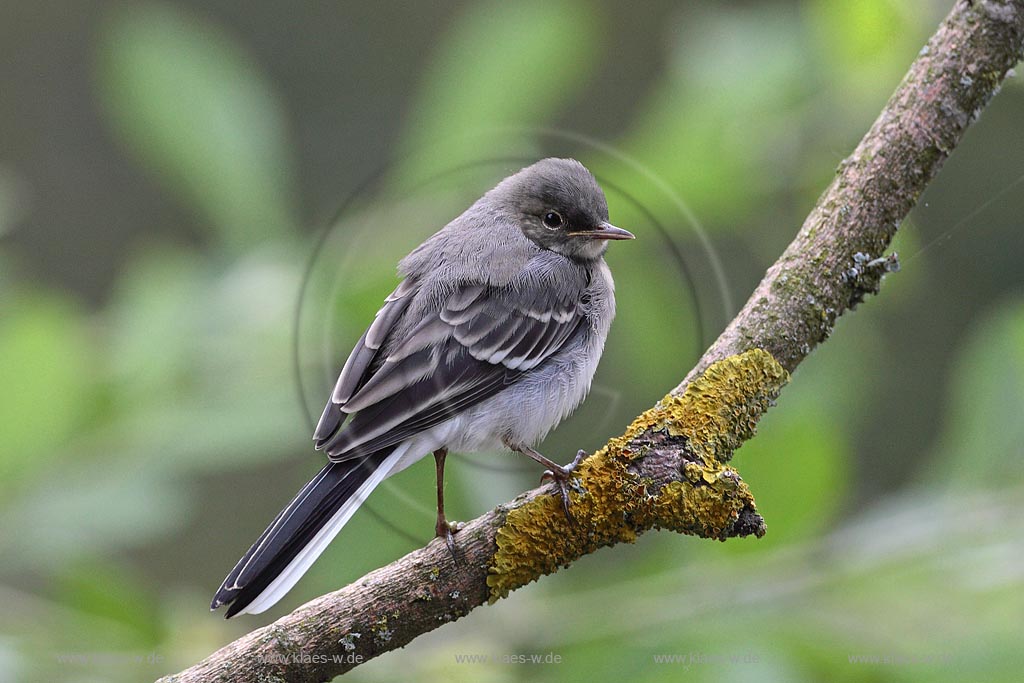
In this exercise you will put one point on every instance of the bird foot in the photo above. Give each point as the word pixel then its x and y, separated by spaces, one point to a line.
pixel 447 530
pixel 562 476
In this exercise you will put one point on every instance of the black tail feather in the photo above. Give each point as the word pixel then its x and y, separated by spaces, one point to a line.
pixel 292 529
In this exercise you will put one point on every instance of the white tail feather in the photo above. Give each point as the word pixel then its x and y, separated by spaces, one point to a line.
pixel 304 560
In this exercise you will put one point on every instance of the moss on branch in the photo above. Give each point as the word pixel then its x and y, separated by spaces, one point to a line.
pixel 613 502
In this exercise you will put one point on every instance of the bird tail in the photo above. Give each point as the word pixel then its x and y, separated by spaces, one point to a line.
pixel 300 532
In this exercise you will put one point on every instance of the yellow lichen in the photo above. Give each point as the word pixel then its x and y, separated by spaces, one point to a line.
pixel 714 414
pixel 720 409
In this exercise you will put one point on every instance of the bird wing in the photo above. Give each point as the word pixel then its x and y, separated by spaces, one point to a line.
pixel 481 339
pixel 357 368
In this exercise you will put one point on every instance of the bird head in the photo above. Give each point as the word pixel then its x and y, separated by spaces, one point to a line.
pixel 559 206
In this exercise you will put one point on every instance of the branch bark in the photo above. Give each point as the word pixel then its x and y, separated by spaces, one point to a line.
pixel 669 469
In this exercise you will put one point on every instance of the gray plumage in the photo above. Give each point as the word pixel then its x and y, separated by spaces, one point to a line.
pixel 490 340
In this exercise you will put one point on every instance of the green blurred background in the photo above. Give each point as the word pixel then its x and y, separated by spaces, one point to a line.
pixel 168 172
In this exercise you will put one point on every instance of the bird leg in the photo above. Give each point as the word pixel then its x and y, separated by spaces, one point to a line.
pixel 560 474
pixel 443 529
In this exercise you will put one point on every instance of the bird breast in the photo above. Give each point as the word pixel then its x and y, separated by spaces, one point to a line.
pixel 529 409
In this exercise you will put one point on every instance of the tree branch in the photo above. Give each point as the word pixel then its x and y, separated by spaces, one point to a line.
pixel 668 470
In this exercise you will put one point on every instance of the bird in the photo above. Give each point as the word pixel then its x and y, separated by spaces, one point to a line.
pixel 491 338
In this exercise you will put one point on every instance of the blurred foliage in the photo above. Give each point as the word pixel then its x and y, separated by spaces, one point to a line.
pixel 44 344
pixel 984 430
pixel 189 103
pixel 148 441
pixel 537 58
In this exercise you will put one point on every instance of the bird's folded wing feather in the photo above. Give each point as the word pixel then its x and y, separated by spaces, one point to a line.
pixel 480 340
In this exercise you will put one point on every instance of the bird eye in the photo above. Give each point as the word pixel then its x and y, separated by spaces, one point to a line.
pixel 553 220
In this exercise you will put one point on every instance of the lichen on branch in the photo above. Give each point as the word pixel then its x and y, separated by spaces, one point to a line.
pixel 615 499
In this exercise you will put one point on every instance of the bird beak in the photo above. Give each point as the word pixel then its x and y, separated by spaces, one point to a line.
pixel 605 231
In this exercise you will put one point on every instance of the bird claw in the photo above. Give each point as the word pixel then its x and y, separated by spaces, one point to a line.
pixel 562 476
pixel 447 531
